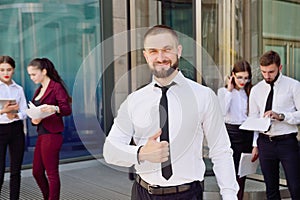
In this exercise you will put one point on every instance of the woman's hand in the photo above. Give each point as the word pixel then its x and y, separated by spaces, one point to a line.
pixel 8 107
pixel 12 116
pixel 48 108
pixel 36 121
pixel 230 85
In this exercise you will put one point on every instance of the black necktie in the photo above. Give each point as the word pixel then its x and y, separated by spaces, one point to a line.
pixel 269 99
pixel 269 102
pixel 166 167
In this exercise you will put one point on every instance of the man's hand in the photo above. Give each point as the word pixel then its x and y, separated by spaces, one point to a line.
pixel 254 154
pixel 271 114
pixel 154 151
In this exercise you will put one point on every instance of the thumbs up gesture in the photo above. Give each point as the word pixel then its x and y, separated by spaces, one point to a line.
pixel 155 151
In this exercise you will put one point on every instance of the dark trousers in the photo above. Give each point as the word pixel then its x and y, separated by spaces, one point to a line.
pixel 271 153
pixel 241 142
pixel 46 158
pixel 12 136
pixel 140 193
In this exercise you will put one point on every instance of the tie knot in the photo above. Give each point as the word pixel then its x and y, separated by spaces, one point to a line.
pixel 272 84
pixel 164 89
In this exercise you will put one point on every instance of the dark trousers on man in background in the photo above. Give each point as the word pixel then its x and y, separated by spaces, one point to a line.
pixel 284 150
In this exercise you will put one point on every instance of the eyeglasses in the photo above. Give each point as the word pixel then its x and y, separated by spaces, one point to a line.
pixel 245 79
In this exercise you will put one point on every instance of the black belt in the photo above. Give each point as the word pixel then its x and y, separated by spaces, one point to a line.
pixel 159 190
pixel 278 137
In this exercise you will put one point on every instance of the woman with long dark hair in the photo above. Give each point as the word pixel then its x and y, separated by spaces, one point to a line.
pixel 54 98
pixel 234 102
pixel 12 113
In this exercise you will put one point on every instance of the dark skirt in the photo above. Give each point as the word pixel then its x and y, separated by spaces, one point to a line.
pixel 241 142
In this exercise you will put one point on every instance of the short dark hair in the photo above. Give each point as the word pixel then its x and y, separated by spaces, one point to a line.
pixel 269 58
pixel 157 29
pixel 9 60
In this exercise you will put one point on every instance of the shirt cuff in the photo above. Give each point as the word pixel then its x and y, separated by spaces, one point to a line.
pixel 287 116
pixel 255 136
pixel 229 197
pixel 137 155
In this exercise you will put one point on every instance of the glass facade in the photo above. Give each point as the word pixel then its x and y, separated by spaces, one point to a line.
pixel 281 33
pixel 71 34
pixel 226 31
pixel 65 31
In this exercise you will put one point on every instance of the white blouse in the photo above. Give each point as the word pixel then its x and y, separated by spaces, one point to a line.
pixel 13 91
pixel 234 105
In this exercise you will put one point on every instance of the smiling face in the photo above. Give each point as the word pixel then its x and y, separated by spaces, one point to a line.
pixel 6 73
pixel 162 54
pixel 36 75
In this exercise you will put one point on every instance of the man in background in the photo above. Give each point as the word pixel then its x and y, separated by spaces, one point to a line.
pixel 277 97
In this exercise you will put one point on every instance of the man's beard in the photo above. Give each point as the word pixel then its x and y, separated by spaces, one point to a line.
pixel 165 73
pixel 272 81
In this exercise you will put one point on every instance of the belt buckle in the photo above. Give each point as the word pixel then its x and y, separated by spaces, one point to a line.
pixel 150 187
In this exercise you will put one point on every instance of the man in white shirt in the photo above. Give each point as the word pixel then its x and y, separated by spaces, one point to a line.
pixel 277 97
pixel 193 112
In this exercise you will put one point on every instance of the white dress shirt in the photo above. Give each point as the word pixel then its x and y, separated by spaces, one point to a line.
pixel 13 91
pixel 286 100
pixel 194 112
pixel 234 105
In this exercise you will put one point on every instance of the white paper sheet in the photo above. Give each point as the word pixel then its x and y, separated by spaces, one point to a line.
pixel 35 112
pixel 247 167
pixel 256 124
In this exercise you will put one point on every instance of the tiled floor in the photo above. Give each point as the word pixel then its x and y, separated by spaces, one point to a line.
pixel 94 180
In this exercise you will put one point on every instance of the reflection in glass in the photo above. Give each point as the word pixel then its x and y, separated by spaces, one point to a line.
pixel 65 32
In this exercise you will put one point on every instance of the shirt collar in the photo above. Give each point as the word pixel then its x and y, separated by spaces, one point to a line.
pixel 12 85
pixel 278 79
pixel 178 79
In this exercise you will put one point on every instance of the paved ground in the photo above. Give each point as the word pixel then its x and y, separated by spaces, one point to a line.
pixel 94 180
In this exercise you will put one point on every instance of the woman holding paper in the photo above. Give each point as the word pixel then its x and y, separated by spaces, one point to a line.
pixel 12 114
pixel 234 103
pixel 52 97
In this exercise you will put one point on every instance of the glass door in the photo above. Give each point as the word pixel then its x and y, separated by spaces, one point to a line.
pixel 289 52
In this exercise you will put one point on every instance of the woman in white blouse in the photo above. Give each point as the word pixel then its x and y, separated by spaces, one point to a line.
pixel 12 113
pixel 234 103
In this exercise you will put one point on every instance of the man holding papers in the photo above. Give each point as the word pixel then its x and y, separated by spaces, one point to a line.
pixel 278 98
